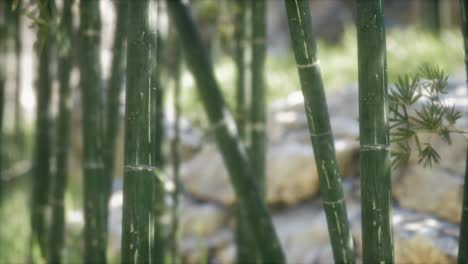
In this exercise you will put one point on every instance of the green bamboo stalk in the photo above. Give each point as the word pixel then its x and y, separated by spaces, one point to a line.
pixel 375 164
pixel 245 245
pixel 95 181
pixel 2 102
pixel 114 90
pixel 258 103
pixel 140 173
pixel 463 242
pixel 157 97
pixel 42 152
pixel 232 150
pixel 59 179
pixel 18 117
pixel 247 251
pixel 239 57
pixel 305 51
pixel 175 149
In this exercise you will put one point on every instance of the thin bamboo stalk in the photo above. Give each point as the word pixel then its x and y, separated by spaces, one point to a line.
pixel 258 103
pixel 463 242
pixel 114 90
pixel 57 227
pixel 239 42
pixel 175 149
pixel 375 164
pixel 157 97
pixel 305 51
pixel 245 244
pixel 18 116
pixel 2 101
pixel 140 172
pixel 234 155
pixel 42 152
pixel 95 181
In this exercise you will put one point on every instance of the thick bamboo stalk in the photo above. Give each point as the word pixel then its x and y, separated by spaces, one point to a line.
pixel 95 181
pixel 140 173
pixel 375 164
pixel 114 90
pixel 175 151
pixel 57 227
pixel 463 242
pixel 42 152
pixel 224 127
pixel 305 51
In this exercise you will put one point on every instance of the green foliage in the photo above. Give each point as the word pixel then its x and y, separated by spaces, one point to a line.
pixel 418 113
pixel 42 17
pixel 336 58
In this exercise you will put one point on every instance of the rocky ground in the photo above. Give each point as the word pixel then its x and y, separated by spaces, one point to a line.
pixel 427 202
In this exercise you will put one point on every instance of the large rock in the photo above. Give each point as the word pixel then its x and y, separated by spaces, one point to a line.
pixel 201 219
pixel 432 191
pixel 291 173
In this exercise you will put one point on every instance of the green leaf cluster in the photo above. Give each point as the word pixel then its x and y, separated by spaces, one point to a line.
pixel 418 113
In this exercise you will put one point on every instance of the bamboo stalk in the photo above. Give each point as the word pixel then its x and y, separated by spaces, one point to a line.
pixel 42 152
pixel 245 244
pixel 157 97
pixel 18 117
pixel 95 181
pixel 375 164
pixel 258 103
pixel 140 171
pixel 305 51
pixel 2 103
pixel 175 149
pixel 239 42
pixel 114 90
pixel 234 155
pixel 463 242
pixel 57 227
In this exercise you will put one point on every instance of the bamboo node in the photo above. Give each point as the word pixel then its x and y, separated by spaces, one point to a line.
pixel 139 167
pixel 90 33
pixel 374 147
pixel 320 134
pixel 93 165
pixel 259 40
pixel 333 203
pixel 257 127
pixel 309 65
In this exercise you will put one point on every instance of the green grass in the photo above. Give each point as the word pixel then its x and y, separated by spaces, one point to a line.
pixel 407 49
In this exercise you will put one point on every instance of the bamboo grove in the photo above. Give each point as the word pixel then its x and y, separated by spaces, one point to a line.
pixel 155 47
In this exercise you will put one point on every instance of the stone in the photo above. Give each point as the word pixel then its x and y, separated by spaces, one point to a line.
pixel 303 233
pixel 201 219
pixel 434 191
pixel 291 173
